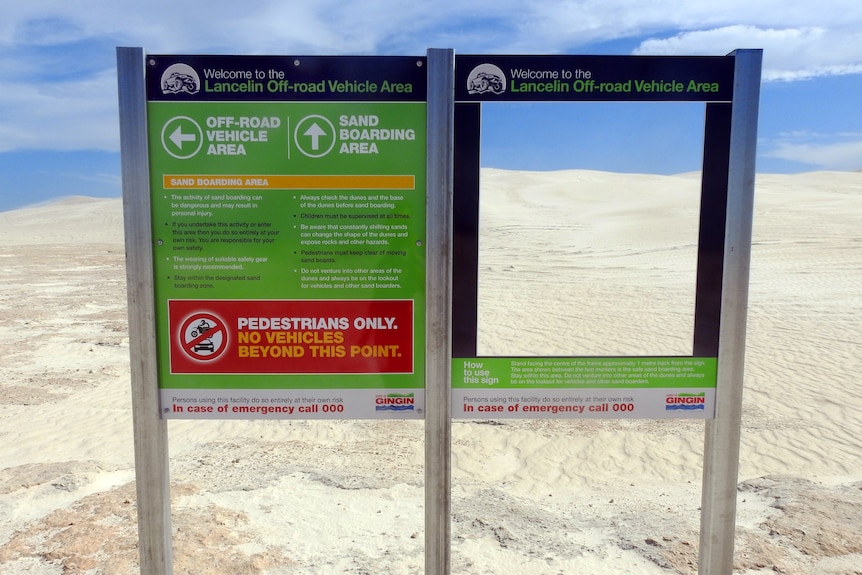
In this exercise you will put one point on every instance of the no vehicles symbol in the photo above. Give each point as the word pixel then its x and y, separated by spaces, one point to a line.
pixel 203 336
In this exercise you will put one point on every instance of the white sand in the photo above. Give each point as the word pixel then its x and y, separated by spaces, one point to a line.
pixel 572 263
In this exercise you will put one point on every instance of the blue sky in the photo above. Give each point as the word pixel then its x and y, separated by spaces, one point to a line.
pixel 58 99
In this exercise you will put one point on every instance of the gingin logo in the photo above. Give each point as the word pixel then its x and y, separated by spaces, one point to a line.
pixel 486 78
pixel 180 78
pixel 685 401
pixel 394 402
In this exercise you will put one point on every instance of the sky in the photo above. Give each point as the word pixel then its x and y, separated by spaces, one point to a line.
pixel 59 133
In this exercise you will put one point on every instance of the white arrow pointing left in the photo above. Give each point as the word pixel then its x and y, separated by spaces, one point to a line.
pixel 177 137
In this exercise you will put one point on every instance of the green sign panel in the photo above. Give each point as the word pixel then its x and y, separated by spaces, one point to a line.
pixel 288 214
pixel 590 387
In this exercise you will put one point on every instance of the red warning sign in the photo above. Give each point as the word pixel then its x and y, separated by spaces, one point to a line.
pixel 291 336
pixel 203 336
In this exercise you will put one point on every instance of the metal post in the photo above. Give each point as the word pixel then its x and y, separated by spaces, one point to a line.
pixel 438 370
pixel 721 447
pixel 151 435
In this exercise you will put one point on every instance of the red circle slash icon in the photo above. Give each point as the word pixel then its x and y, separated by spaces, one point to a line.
pixel 203 336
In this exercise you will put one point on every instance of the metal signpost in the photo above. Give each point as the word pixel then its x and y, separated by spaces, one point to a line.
pixel 721 448
pixel 301 231
pixel 438 419
pixel 708 383
pixel 150 431
pixel 275 218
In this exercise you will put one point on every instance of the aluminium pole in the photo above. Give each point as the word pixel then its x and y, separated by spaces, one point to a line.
pixel 722 438
pixel 150 431
pixel 438 347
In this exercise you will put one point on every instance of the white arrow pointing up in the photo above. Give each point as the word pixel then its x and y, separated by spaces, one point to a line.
pixel 314 132
pixel 177 137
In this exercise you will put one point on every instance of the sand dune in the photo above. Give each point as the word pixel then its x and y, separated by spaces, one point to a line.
pixel 572 262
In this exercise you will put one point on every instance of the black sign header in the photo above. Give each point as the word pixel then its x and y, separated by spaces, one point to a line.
pixel 287 78
pixel 593 78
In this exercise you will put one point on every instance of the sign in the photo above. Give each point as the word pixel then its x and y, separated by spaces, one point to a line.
pixel 593 78
pixel 257 316
pixel 582 387
pixel 288 217
pixel 292 336
pixel 587 388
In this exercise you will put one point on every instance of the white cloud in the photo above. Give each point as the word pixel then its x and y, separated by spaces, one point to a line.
pixel 788 54
pixel 63 116
pixel 57 86
pixel 843 155
pixel 565 21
